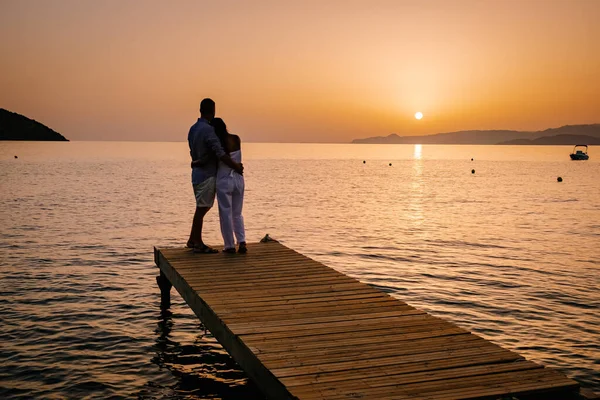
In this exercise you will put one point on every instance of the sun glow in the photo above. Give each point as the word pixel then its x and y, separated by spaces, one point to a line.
pixel 418 115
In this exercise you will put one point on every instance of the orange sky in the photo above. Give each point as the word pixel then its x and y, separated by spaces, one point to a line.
pixel 299 71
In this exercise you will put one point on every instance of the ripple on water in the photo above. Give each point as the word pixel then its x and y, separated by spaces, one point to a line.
pixel 513 260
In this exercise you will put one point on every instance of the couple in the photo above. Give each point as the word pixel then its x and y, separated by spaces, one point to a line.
pixel 216 167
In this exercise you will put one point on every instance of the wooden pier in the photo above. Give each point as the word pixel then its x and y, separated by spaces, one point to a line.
pixel 302 330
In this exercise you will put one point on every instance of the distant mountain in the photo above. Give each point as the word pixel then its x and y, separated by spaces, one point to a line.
pixel 15 126
pixel 488 136
pixel 570 140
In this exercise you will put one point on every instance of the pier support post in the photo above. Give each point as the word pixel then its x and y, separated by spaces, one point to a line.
pixel 165 291
pixel 164 284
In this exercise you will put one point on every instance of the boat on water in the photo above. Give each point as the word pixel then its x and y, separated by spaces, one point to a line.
pixel 580 152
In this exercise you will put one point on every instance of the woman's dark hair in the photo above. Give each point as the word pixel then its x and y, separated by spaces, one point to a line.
pixel 221 130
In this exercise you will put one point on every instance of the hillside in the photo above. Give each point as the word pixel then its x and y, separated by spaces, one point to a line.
pixel 15 126
pixel 490 136
pixel 556 140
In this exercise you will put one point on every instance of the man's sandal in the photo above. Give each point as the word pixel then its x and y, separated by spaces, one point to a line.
pixel 204 249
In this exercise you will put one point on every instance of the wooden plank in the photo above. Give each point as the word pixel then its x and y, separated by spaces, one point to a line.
pixel 496 384
pixel 350 327
pixel 351 351
pixel 491 353
pixel 264 266
pixel 303 306
pixel 303 330
pixel 345 333
pixel 315 288
pixel 221 285
pixel 282 268
pixel 292 346
pixel 300 315
pixel 246 264
pixel 350 305
pixel 271 276
pixel 215 299
pixel 249 265
pixel 331 389
pixel 243 327
pixel 277 301
pixel 268 316
pixel 354 320
pixel 396 372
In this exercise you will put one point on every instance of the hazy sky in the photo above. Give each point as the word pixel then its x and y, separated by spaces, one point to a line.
pixel 299 71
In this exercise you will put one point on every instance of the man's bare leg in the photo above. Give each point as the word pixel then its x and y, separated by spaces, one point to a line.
pixel 195 239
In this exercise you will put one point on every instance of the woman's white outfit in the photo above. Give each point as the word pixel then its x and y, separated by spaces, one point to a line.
pixel 230 196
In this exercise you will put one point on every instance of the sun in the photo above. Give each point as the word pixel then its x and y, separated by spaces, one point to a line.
pixel 418 115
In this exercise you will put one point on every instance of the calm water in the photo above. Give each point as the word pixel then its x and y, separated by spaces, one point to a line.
pixel 507 252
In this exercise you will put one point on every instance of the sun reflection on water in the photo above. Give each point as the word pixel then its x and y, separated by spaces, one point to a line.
pixel 415 203
pixel 418 152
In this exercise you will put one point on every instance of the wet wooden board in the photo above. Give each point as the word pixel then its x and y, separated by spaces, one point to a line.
pixel 302 330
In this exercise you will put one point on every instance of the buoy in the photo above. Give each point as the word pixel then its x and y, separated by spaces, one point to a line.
pixel 16 157
pixel 364 162
pixel 559 179
pixel 472 171
pixel 390 164
pixel 471 159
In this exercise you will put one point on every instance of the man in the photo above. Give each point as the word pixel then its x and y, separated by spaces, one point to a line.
pixel 206 150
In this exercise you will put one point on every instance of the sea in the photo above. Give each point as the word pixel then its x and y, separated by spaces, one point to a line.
pixel 483 236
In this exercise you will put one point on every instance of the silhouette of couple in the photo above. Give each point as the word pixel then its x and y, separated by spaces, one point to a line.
pixel 216 169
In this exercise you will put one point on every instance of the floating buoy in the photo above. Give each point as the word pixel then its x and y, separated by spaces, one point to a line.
pixel 364 162
pixel 390 164
pixel 16 157
pixel 559 179
pixel 472 171
pixel 471 159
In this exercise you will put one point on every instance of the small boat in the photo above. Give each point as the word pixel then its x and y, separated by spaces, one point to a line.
pixel 581 153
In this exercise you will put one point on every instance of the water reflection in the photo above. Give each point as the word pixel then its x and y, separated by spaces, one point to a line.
pixel 202 369
pixel 415 198
pixel 163 330
pixel 418 152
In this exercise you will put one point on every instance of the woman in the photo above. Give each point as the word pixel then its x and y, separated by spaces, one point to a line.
pixel 230 191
